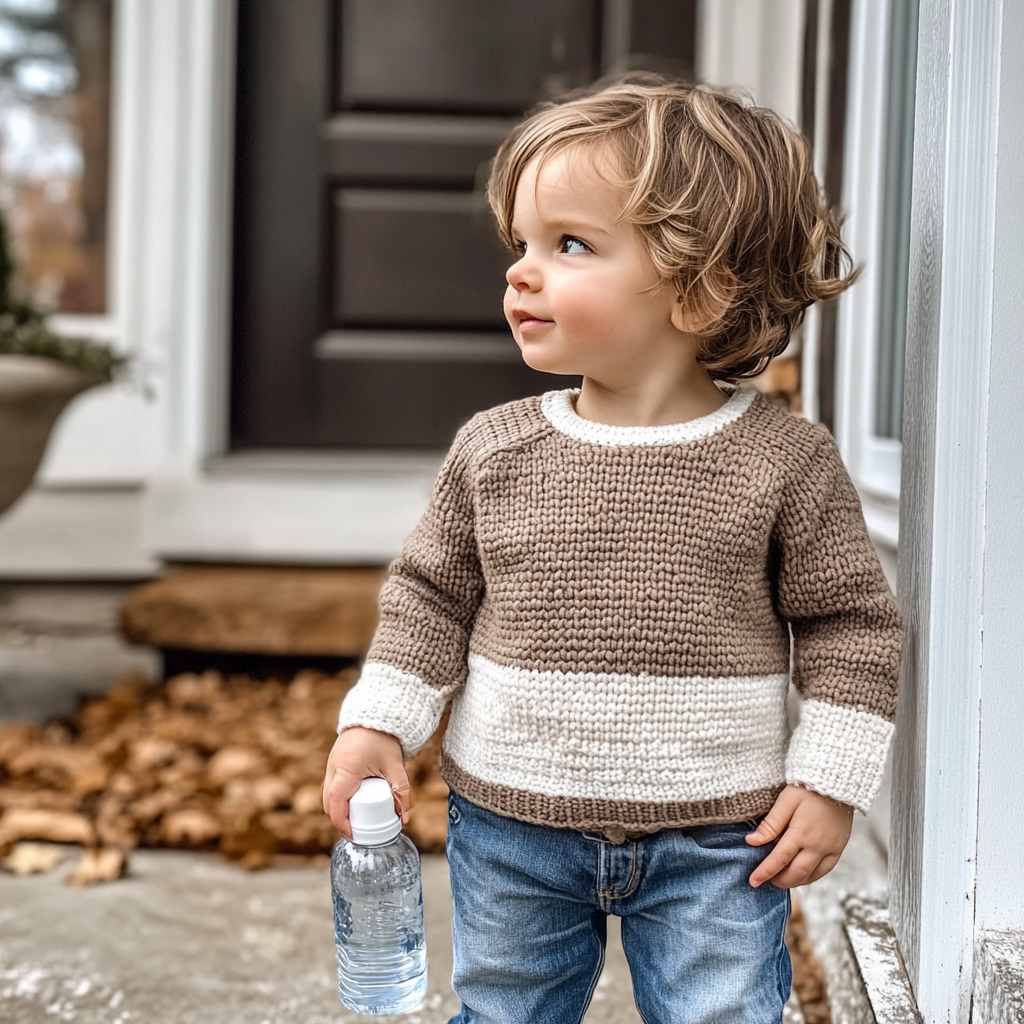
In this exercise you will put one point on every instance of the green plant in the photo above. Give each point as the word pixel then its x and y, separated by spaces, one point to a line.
pixel 23 329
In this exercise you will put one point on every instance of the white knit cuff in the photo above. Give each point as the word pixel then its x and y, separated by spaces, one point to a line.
pixel 395 702
pixel 839 752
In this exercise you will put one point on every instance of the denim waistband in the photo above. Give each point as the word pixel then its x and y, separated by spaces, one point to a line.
pixel 618 834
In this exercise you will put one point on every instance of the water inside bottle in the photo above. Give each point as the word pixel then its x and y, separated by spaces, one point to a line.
pixel 378 927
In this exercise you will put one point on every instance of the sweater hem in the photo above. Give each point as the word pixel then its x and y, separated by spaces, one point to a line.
pixel 585 814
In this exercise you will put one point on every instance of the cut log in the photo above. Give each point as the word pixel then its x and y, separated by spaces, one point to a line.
pixel 33 858
pixel 190 827
pixel 49 826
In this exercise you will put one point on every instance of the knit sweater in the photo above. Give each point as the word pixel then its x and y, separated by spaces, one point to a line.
pixel 610 612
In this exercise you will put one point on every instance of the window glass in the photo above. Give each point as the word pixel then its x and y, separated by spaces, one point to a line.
pixel 895 252
pixel 54 143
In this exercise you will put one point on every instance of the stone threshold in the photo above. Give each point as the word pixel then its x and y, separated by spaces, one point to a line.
pixel 276 611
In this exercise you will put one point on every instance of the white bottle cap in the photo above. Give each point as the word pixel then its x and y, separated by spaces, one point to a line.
pixel 371 812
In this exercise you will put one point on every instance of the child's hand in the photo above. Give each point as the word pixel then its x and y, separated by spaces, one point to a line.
pixel 358 754
pixel 814 831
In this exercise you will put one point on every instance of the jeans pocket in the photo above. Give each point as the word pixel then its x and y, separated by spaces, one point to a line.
pixel 721 837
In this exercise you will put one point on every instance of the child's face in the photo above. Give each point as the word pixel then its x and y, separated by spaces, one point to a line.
pixel 582 298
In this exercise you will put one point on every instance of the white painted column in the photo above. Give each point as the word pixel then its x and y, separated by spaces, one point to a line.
pixel 181 252
pixel 958 808
pixel 1000 881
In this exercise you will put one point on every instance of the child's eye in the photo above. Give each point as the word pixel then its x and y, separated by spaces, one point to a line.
pixel 518 248
pixel 574 246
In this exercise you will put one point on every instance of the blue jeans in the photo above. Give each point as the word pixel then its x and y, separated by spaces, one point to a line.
pixel 530 906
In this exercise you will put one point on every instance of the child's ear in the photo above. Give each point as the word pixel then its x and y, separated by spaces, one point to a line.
pixel 708 303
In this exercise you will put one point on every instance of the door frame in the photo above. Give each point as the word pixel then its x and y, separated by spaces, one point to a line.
pixel 202 503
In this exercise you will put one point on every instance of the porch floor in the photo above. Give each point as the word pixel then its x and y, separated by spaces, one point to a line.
pixel 190 938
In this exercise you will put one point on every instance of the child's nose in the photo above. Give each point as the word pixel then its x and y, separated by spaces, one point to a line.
pixel 521 275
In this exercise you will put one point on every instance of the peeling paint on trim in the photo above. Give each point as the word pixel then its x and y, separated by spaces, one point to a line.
pixel 999 978
pixel 873 942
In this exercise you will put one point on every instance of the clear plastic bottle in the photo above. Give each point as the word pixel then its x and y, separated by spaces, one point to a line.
pixel 378 909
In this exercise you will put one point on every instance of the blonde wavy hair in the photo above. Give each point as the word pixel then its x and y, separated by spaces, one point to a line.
pixel 724 198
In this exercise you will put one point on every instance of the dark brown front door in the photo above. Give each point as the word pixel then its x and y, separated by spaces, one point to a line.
pixel 368 276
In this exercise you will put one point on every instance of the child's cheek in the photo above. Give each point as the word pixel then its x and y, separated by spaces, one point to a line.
pixel 587 315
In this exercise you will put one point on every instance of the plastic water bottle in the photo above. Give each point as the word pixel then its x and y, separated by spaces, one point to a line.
pixel 378 908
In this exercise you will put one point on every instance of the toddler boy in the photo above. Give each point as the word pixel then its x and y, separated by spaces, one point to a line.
pixel 607 582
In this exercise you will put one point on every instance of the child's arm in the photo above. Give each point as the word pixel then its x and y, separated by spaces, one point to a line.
pixel 815 830
pixel 418 658
pixel 846 651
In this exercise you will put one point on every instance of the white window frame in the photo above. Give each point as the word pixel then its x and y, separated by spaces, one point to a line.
pixel 169 212
pixel 875 463
pixel 107 436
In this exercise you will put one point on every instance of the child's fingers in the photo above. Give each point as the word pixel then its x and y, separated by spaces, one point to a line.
pixel 799 871
pixel 402 789
pixel 776 820
pixel 359 754
pixel 825 865
pixel 338 791
pixel 775 862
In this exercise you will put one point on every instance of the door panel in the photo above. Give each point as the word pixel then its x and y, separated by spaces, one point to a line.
pixel 412 245
pixel 405 404
pixel 444 150
pixel 464 54
pixel 410 258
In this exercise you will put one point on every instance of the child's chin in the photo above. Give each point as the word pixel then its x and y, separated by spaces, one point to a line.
pixel 547 364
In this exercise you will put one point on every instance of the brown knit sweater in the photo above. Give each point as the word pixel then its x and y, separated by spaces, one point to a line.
pixel 609 609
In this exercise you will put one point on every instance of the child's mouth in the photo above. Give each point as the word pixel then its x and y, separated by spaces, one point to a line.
pixel 529 322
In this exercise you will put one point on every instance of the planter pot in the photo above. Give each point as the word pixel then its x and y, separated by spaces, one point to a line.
pixel 33 393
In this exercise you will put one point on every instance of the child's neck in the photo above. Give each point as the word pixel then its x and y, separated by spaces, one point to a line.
pixel 651 402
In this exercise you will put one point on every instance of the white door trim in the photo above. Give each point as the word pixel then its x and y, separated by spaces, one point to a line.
pixel 874 462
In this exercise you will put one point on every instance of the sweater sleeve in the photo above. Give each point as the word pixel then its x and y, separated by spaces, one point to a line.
pixel 418 657
pixel 846 633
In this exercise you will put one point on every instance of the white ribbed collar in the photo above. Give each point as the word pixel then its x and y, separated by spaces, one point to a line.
pixel 558 408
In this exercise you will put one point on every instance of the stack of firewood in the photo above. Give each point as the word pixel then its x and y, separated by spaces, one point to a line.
pixel 200 762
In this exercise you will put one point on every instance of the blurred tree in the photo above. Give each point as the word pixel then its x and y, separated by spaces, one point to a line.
pixel 55 70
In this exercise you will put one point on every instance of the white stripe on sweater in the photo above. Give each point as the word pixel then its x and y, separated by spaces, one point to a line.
pixel 613 736
pixel 621 737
